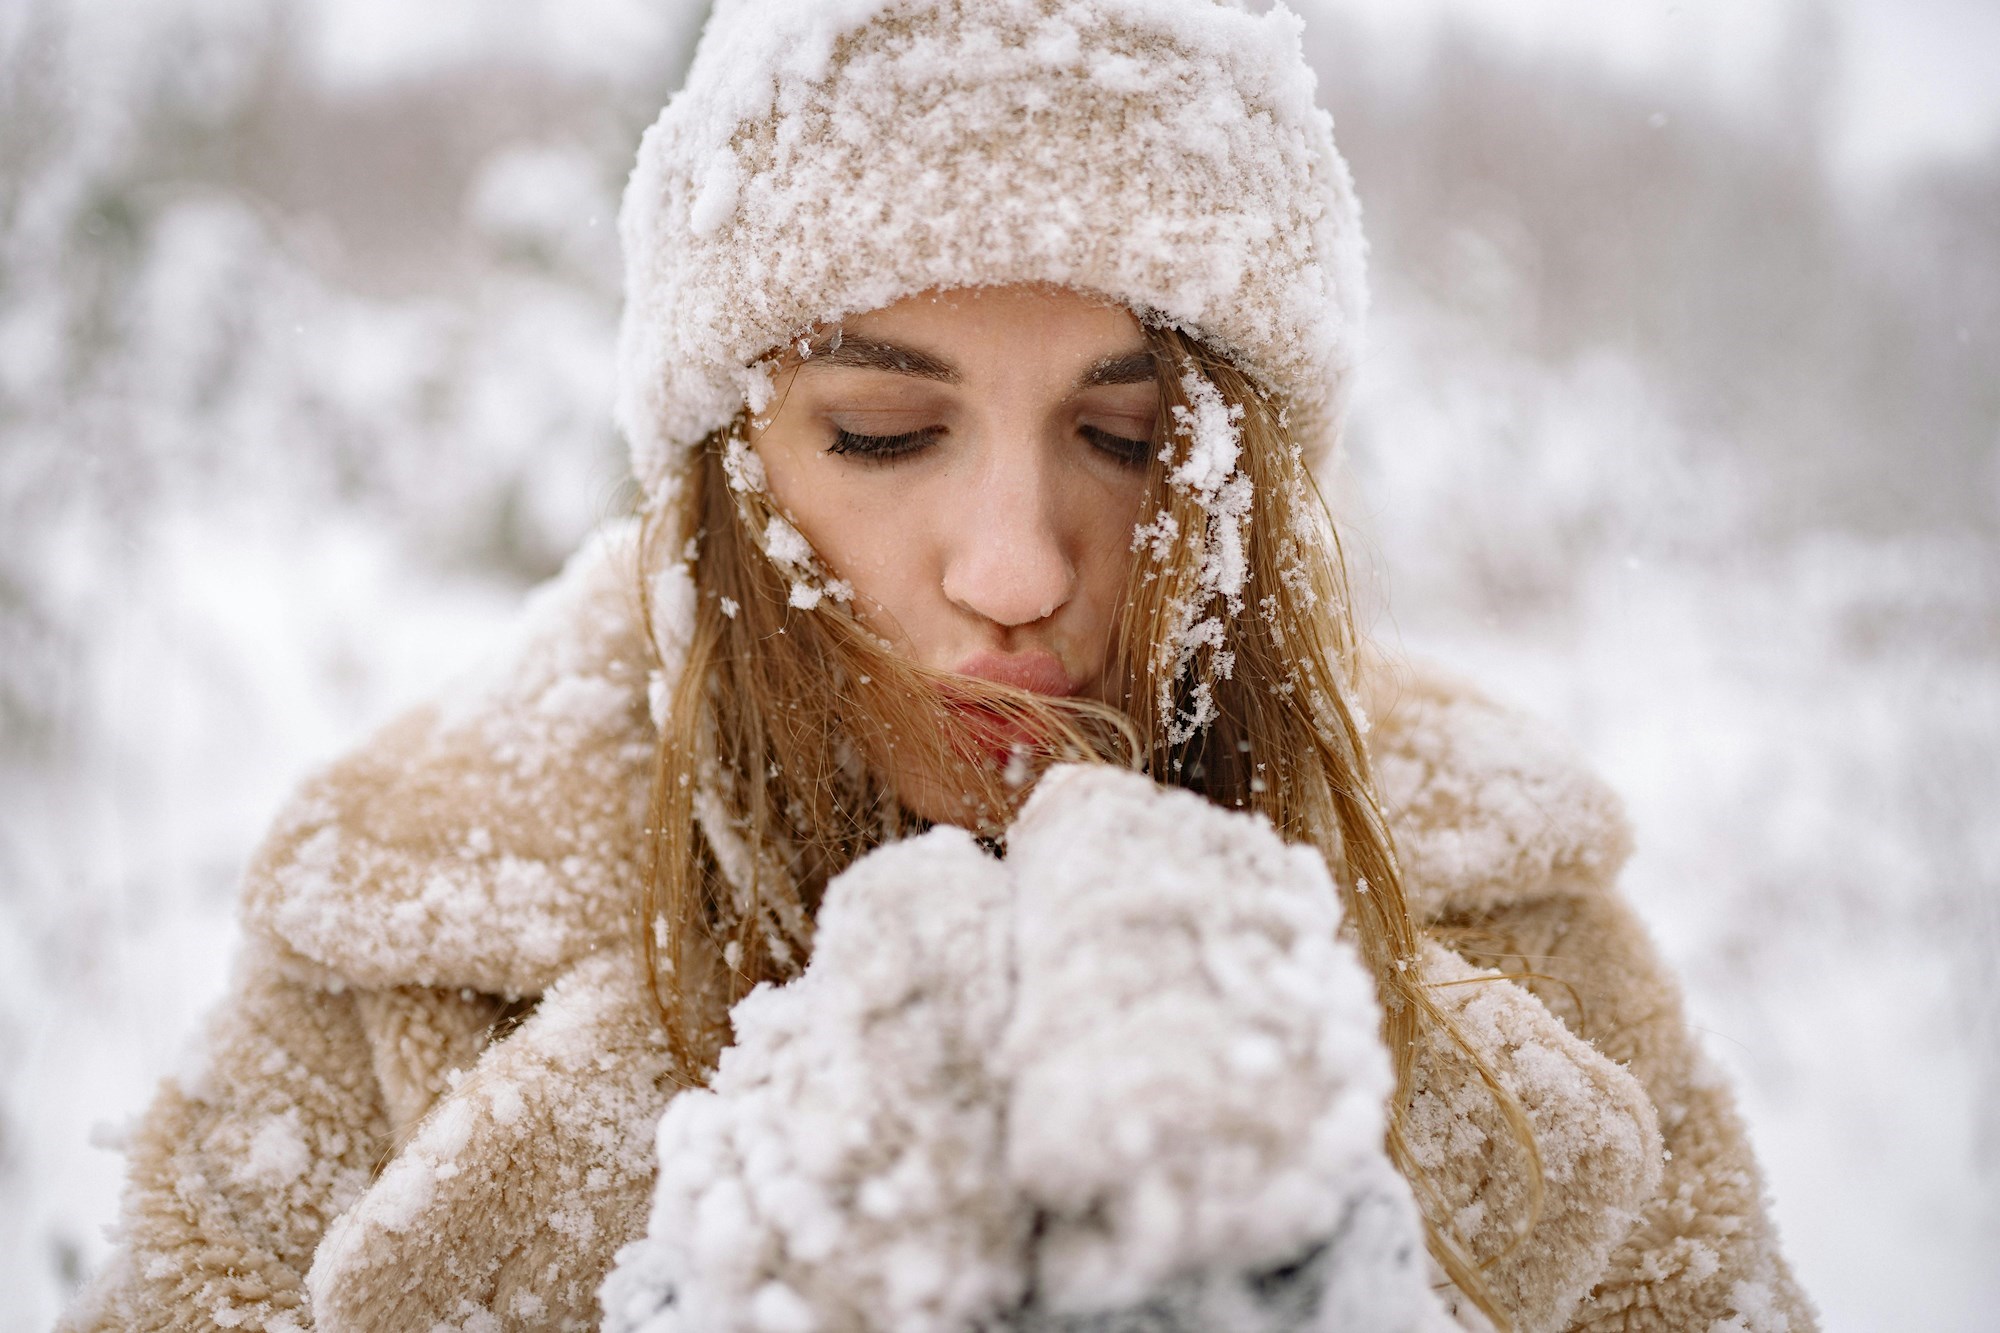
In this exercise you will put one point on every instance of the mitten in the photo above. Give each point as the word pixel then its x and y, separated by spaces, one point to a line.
pixel 842 1171
pixel 1196 1083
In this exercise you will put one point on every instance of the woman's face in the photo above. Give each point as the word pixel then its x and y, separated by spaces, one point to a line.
pixel 972 462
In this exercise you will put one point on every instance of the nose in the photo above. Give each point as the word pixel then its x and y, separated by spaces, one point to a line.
pixel 1007 560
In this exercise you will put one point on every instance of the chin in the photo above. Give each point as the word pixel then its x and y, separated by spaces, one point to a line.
pixel 961 799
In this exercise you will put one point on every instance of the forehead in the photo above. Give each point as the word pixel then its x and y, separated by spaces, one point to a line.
pixel 966 335
pixel 964 309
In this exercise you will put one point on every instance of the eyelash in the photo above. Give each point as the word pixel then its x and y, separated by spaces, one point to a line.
pixel 1122 448
pixel 882 448
pixel 889 448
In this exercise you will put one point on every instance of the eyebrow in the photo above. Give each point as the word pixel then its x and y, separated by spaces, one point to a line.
pixel 1124 368
pixel 865 353
pixel 853 349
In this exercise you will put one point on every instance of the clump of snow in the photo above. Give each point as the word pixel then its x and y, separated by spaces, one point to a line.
pixel 1210 472
pixel 783 543
pixel 277 1153
pixel 504 1097
pixel 1128 1074
pixel 760 381
pixel 743 467
pixel 794 556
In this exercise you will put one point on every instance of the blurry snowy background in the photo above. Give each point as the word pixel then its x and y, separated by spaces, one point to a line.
pixel 1681 427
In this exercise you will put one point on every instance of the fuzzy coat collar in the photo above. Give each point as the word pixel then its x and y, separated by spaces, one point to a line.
pixel 486 839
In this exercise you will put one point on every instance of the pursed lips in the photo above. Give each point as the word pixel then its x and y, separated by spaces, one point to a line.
pixel 999 735
pixel 1037 671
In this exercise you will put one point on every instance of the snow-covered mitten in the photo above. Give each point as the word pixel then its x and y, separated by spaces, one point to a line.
pixel 843 1170
pixel 1197 1085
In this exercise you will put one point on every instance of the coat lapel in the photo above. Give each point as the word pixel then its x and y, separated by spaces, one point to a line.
pixel 485 841
pixel 502 1209
pixel 1488 807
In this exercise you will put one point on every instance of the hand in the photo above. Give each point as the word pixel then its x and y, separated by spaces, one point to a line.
pixel 844 1166
pixel 1129 1079
pixel 1196 1084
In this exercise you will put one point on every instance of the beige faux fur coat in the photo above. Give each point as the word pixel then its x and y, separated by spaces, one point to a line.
pixel 429 1097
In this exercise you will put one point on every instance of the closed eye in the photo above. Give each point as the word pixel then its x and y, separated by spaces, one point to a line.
pixel 1127 451
pixel 883 448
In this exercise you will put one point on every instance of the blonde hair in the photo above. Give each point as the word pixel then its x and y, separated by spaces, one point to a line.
pixel 770 776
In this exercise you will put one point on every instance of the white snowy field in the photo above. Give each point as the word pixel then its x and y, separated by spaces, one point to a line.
pixel 1678 428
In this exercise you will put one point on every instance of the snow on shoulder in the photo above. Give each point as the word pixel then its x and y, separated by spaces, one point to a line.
pixel 1129 1073
pixel 1489 806
pixel 483 839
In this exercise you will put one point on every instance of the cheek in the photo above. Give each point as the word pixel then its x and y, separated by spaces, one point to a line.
pixel 869 532
pixel 895 595
pixel 1104 553
pixel 1108 523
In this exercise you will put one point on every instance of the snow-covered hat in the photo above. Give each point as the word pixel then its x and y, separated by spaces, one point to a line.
pixel 828 157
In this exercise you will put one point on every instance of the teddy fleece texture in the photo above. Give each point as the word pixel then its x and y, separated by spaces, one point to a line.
pixel 430 1097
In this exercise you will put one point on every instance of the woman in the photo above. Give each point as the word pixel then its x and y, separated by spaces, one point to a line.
pixel 974 361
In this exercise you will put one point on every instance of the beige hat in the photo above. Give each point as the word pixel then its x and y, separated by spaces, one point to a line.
pixel 827 157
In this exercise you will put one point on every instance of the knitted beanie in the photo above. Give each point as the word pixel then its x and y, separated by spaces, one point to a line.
pixel 828 157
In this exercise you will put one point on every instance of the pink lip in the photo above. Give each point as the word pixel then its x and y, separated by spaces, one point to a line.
pixel 994 734
pixel 1038 671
